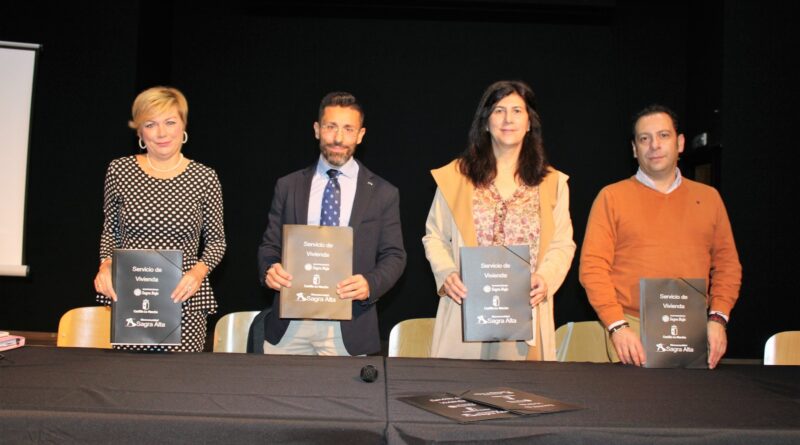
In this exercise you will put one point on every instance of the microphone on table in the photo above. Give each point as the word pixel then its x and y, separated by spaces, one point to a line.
pixel 369 374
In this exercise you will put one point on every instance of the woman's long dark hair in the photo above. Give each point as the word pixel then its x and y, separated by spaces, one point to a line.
pixel 478 163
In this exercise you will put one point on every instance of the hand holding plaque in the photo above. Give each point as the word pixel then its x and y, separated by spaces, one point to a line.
pixel 355 287
pixel 277 277
pixel 454 288
pixel 538 289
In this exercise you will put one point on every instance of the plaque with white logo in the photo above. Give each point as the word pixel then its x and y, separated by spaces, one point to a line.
pixel 456 408
pixel 144 313
pixel 498 281
pixel 516 401
pixel 673 322
pixel 317 257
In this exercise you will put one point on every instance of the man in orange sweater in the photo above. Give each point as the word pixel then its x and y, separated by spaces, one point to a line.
pixel 657 224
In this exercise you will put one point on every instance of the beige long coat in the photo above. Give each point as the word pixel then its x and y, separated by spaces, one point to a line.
pixel 450 226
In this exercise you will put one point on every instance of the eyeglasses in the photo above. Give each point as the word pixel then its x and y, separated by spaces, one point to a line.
pixel 333 128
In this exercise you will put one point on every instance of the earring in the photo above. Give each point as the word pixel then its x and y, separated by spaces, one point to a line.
pixel 185 137
pixel 142 145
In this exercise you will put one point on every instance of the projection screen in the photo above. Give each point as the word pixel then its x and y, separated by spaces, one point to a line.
pixel 17 69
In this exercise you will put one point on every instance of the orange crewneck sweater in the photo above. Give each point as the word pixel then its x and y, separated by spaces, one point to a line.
pixel 636 232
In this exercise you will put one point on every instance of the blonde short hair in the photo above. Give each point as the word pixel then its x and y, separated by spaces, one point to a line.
pixel 156 100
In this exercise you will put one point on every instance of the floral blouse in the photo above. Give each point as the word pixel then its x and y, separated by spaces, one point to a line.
pixel 515 221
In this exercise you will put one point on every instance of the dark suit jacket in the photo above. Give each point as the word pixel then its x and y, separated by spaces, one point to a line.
pixel 378 252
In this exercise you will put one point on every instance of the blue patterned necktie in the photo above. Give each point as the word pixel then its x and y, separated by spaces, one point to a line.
pixel 331 199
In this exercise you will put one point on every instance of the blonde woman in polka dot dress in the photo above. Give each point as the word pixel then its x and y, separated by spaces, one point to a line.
pixel 161 200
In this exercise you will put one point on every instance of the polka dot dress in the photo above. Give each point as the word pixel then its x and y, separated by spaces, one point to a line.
pixel 143 212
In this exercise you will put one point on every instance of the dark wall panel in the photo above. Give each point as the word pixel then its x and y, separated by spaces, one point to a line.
pixel 83 90
pixel 254 74
pixel 759 167
pixel 255 83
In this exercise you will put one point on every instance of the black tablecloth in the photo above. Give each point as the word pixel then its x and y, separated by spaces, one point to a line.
pixel 64 395
pixel 732 404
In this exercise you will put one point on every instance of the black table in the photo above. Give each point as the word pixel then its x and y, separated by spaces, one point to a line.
pixel 732 404
pixel 64 395
pixel 70 395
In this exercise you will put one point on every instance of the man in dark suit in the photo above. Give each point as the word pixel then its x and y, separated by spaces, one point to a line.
pixel 368 204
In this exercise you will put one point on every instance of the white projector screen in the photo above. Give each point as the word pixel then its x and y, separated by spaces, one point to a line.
pixel 17 68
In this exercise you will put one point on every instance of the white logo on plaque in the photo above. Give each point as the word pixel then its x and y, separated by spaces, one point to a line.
pixel 301 297
pixel 665 318
pixel 487 288
pixel 673 330
pixel 145 304
pixel 315 279
pixel 137 292
pixel 496 300
pixel 129 323
pixel 307 266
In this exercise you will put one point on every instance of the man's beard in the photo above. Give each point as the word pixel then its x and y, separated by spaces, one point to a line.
pixel 337 159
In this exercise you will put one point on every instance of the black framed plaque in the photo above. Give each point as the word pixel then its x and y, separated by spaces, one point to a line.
pixel 456 408
pixel 317 257
pixel 144 313
pixel 673 322
pixel 498 281
pixel 516 401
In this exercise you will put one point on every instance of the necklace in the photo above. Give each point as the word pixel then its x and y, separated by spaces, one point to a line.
pixel 147 156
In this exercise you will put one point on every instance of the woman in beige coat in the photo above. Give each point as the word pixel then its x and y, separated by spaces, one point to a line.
pixel 500 191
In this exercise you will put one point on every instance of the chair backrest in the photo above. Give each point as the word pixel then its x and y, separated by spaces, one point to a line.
pixel 582 341
pixel 85 327
pixel 783 348
pixel 230 332
pixel 411 338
